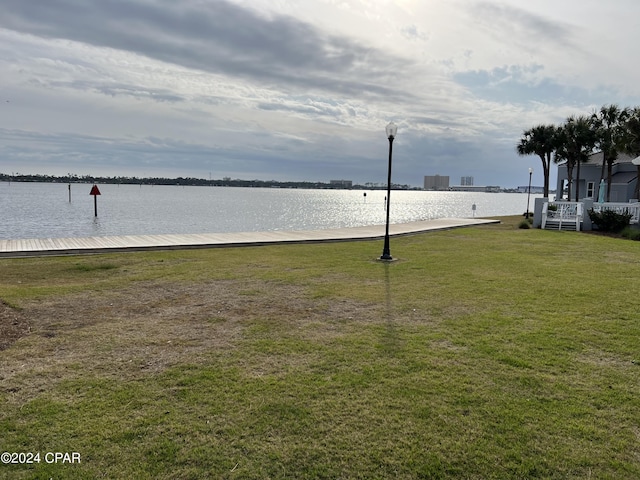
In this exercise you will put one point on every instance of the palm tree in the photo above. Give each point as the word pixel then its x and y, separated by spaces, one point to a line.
pixel 630 141
pixel 576 141
pixel 608 124
pixel 540 140
pixel 562 155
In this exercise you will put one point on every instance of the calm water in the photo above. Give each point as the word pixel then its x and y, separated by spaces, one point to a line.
pixel 42 210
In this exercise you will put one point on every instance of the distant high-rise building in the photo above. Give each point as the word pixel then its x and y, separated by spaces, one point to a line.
pixel 341 183
pixel 436 182
pixel 466 181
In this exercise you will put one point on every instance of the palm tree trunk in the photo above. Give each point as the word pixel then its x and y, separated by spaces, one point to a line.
pixel 578 182
pixel 546 166
pixel 569 180
pixel 609 175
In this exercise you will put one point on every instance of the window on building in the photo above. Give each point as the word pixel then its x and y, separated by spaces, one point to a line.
pixel 590 189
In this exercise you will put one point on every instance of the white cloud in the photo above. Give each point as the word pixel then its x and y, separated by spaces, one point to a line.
pixel 302 90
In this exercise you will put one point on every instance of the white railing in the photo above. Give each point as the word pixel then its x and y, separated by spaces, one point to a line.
pixel 632 208
pixel 567 213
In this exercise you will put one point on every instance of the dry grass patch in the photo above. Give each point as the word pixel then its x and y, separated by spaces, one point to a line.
pixel 148 327
pixel 13 325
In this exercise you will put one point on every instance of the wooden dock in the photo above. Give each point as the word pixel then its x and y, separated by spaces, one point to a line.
pixel 93 245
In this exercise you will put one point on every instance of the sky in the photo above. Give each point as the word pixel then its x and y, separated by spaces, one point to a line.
pixel 302 90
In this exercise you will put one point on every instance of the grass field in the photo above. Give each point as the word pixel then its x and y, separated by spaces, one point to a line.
pixel 481 353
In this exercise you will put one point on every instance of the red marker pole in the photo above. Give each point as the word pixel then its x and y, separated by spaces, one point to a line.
pixel 95 192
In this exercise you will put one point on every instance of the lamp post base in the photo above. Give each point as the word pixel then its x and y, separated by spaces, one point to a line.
pixel 385 256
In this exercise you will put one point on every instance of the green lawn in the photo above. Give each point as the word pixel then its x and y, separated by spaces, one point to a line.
pixel 481 353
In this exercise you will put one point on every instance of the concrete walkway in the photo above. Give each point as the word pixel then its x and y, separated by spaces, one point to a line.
pixel 90 245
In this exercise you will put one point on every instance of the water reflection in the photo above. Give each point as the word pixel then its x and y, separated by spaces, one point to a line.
pixel 96 227
pixel 41 210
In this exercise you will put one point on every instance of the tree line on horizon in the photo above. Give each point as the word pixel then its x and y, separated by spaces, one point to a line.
pixel 611 130
pixel 191 181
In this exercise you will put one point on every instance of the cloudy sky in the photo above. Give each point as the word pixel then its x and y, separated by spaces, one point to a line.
pixel 302 90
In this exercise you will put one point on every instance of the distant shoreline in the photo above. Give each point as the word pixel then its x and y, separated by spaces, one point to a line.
pixel 225 182
pixel 191 181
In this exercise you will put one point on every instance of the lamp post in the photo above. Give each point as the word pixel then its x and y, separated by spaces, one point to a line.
pixel 391 130
pixel 529 194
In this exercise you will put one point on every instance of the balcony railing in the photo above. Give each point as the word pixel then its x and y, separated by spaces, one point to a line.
pixel 631 208
pixel 562 213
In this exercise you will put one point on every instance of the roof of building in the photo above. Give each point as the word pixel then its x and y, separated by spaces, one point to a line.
pixel 623 178
pixel 596 158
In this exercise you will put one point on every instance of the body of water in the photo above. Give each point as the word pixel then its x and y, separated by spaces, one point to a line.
pixel 43 210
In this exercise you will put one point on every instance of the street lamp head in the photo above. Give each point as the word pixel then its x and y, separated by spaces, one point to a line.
pixel 391 130
pixel 530 170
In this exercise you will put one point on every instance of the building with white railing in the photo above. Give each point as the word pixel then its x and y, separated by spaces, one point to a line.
pixel 575 215
pixel 592 189
pixel 624 180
